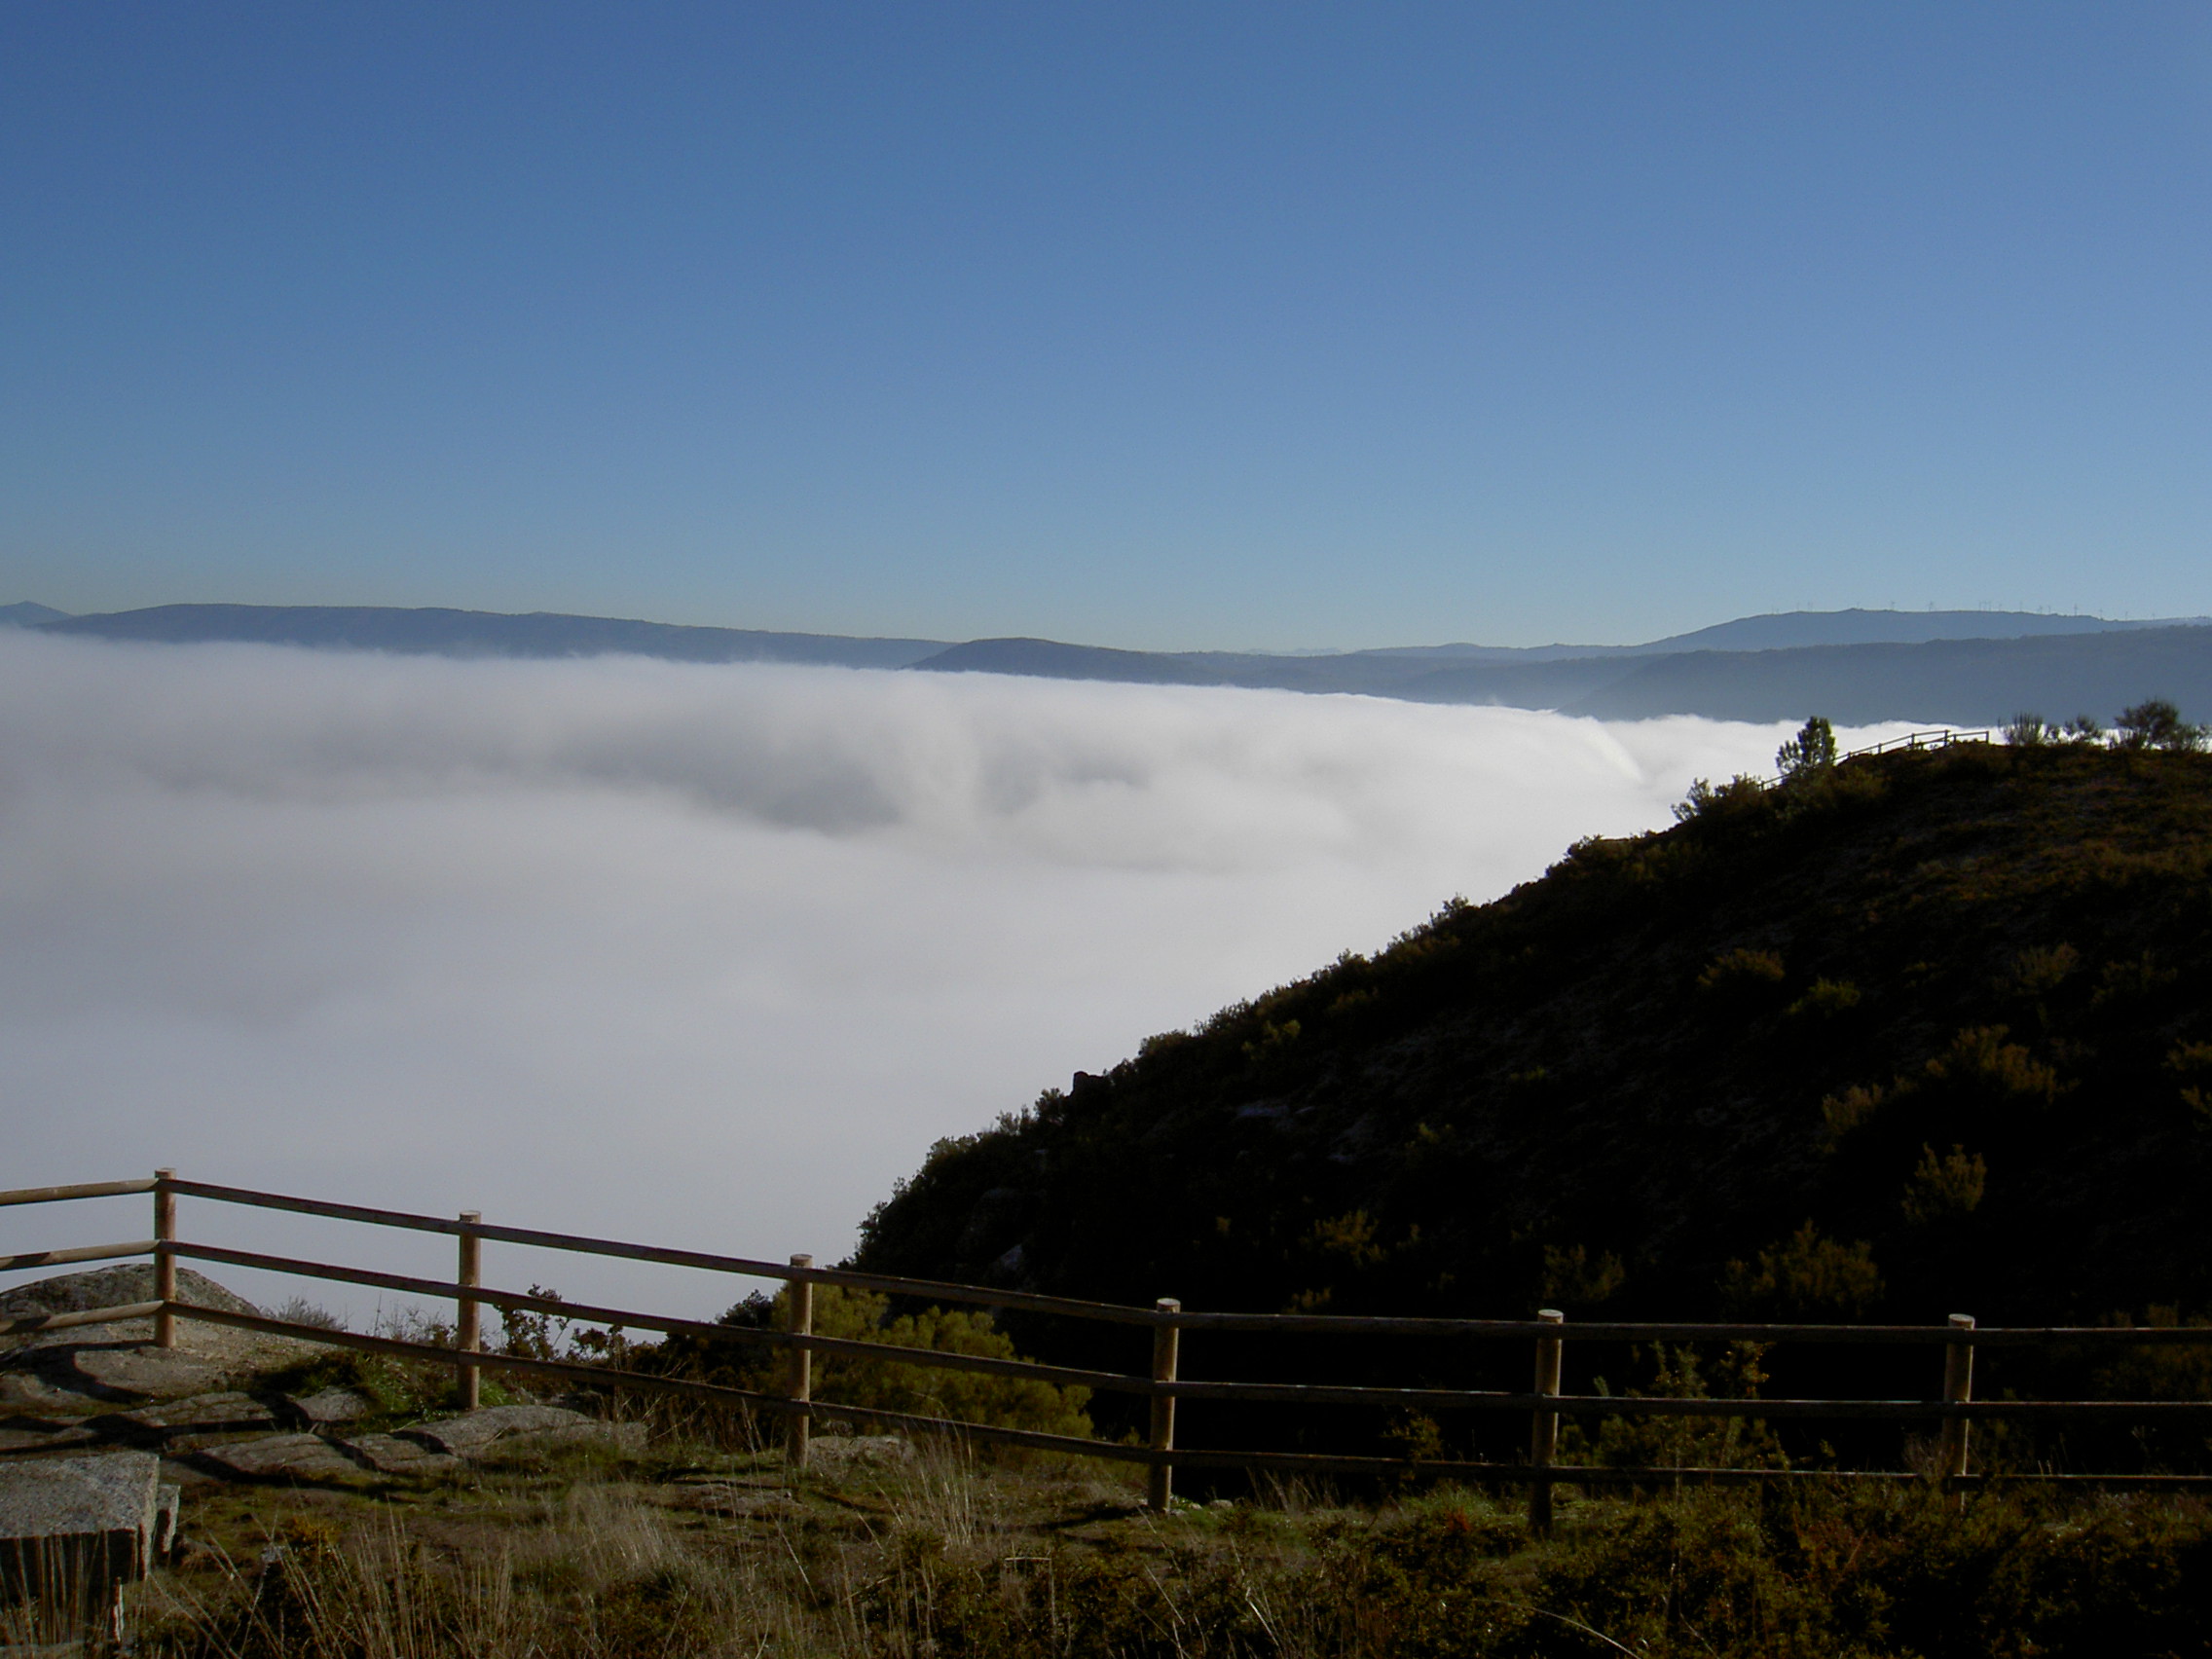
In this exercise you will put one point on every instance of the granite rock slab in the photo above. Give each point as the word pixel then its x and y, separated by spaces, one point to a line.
pixel 83 1372
pixel 30 1434
pixel 331 1406
pixel 474 1433
pixel 626 1438
pixel 78 1524
pixel 227 1407
pixel 388 1454
pixel 143 1371
pixel 185 1422
pixel 293 1457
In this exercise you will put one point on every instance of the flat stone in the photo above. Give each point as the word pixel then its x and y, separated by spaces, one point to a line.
pixel 22 1436
pixel 144 1371
pixel 85 1522
pixel 24 1388
pixel 388 1454
pixel 627 1438
pixel 176 1421
pixel 332 1405
pixel 301 1456
pixel 474 1431
pixel 58 1375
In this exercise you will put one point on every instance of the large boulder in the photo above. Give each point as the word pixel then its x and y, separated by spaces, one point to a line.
pixel 80 1365
pixel 108 1287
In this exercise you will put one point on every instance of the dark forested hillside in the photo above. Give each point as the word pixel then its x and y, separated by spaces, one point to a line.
pixel 1924 1031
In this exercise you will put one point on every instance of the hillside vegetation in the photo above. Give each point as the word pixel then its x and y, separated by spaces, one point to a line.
pixel 1918 1033
pixel 699 1552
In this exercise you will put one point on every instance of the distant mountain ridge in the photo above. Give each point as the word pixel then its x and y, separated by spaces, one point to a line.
pixel 482 632
pixel 1787 629
pixel 1969 666
pixel 1972 681
pixel 1783 629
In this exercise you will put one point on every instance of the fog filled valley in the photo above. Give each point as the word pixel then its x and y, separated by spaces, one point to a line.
pixel 706 955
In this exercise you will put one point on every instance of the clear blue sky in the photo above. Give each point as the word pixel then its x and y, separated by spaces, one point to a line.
pixel 1142 324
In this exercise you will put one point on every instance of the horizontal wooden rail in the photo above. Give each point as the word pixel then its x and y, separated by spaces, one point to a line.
pixel 1023 1301
pixel 1634 1331
pixel 1166 1319
pixel 1295 1462
pixel 1278 1325
pixel 1271 1393
pixel 1253 1323
pixel 28 1323
pixel 521 1301
pixel 708 1261
pixel 714 1392
pixel 1641 1406
pixel 87 1190
pixel 1639 1475
pixel 77 1253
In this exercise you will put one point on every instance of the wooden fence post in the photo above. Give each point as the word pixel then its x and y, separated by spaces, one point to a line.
pixel 1167 1355
pixel 801 1323
pixel 164 1264
pixel 1958 1389
pixel 468 1327
pixel 1544 1426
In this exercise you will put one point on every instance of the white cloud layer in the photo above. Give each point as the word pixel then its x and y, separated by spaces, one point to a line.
pixel 701 955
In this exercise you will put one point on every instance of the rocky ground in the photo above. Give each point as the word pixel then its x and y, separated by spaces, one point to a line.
pixel 287 1461
pixel 225 1406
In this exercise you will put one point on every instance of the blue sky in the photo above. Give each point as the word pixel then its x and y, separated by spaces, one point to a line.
pixel 1167 325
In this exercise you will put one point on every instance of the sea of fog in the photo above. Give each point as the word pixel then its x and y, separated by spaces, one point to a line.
pixel 696 955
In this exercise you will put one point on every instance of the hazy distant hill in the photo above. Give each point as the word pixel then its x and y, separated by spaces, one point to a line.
pixel 1972 667
pixel 1973 682
pixel 1784 630
pixel 485 633
pixel 2094 667
pixel 1050 659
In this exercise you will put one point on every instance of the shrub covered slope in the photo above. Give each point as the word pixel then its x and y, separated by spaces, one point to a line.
pixel 1919 1033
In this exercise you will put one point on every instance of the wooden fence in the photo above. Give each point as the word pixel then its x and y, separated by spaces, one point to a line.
pixel 1939 737
pixel 1951 1410
pixel 1943 737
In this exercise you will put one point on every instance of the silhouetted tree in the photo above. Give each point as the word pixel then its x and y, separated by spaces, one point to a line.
pixel 1812 749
